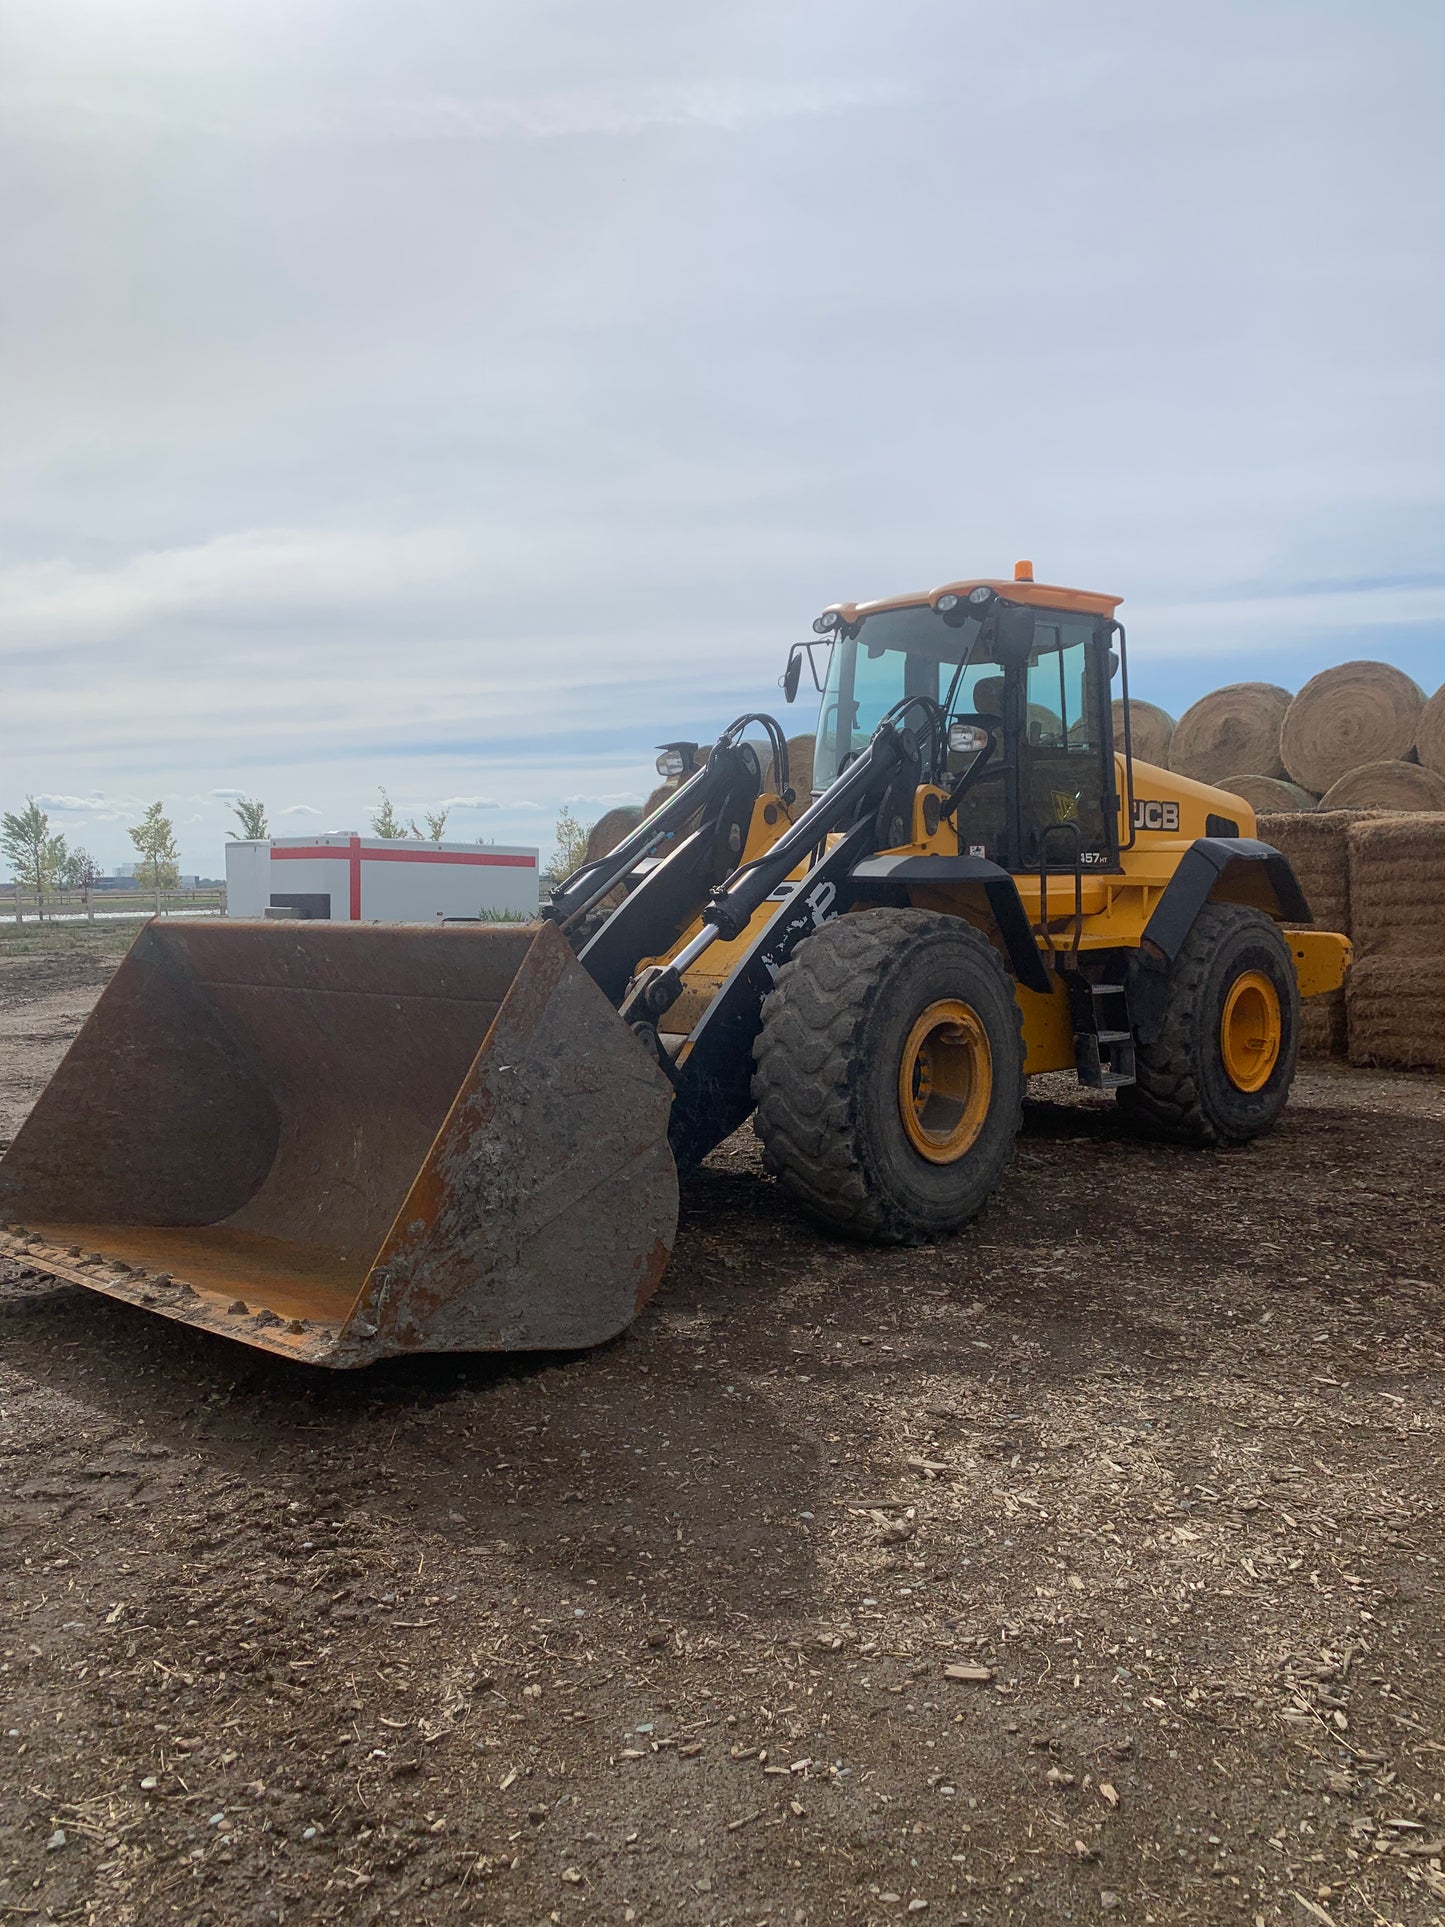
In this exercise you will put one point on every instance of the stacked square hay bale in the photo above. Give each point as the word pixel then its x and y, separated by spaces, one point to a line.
pixel 1396 990
pixel 1316 844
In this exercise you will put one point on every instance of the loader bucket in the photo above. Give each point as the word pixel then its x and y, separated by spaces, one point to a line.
pixel 341 1141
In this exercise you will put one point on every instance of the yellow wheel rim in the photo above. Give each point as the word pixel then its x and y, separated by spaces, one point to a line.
pixel 1250 1031
pixel 945 1081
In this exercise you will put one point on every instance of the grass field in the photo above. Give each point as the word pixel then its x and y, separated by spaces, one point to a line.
pixel 102 939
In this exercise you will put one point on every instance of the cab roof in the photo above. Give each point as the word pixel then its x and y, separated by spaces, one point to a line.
pixel 1043 595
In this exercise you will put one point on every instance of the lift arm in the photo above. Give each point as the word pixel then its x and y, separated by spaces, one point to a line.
pixel 858 792
pixel 704 790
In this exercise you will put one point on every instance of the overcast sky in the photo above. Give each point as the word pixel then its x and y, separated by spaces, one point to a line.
pixel 467 396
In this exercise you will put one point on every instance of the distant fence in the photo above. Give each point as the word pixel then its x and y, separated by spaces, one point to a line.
pixel 22 906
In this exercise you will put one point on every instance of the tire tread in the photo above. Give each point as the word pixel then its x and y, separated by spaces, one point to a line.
pixel 1166 1098
pixel 806 1059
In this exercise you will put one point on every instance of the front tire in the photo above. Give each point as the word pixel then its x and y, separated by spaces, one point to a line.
pixel 889 1075
pixel 1221 1068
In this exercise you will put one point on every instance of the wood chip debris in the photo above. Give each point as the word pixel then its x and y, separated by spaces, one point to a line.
pixel 746 1819
pixel 1313 1907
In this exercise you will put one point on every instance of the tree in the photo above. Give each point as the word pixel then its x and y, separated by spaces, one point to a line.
pixel 385 822
pixel 56 857
pixel 79 872
pixel 251 816
pixel 155 840
pixel 37 855
pixel 436 823
pixel 77 869
pixel 571 850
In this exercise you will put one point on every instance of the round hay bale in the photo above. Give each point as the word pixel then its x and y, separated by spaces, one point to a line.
pixel 800 768
pixel 1236 727
pixel 1347 717
pixel 1387 786
pixel 608 831
pixel 1430 733
pixel 1150 729
pixel 1275 793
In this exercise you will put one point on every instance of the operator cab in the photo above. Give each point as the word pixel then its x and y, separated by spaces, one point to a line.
pixel 1029 668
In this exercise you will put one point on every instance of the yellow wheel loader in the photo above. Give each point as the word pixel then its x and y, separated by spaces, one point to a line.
pixel 342 1142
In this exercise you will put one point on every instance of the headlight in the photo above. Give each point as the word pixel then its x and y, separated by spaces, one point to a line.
pixel 967 737
pixel 945 603
pixel 826 623
pixel 980 594
pixel 671 763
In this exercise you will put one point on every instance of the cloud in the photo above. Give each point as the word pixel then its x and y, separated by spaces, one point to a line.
pixel 513 399
pixel 250 574
pixel 718 105
pixel 98 807
pixel 227 796
pixel 49 800
pixel 72 112
pixel 298 809
pixel 1283 619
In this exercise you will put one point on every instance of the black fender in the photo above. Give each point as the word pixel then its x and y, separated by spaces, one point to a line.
pixel 1263 873
pixel 889 879
pixel 1238 869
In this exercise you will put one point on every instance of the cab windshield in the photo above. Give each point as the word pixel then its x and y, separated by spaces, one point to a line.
pixel 1055 762
pixel 896 653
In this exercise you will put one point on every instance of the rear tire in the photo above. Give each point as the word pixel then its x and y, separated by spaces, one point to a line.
pixel 889 1075
pixel 1221 1068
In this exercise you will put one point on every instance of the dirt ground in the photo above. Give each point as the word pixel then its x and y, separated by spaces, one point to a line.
pixel 1151 1457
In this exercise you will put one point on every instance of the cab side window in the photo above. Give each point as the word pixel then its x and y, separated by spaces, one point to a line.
pixel 1061 713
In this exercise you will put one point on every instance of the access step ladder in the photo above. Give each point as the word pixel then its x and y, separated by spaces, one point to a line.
pixel 1103 1034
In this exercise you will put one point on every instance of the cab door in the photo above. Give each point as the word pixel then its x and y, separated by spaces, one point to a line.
pixel 1064 793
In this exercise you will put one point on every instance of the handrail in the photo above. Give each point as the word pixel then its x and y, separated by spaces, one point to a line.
pixel 1075 830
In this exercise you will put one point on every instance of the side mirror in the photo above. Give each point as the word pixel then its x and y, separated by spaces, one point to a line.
pixel 1014 635
pixel 792 675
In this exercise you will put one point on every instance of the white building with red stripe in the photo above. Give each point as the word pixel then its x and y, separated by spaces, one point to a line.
pixel 367 879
